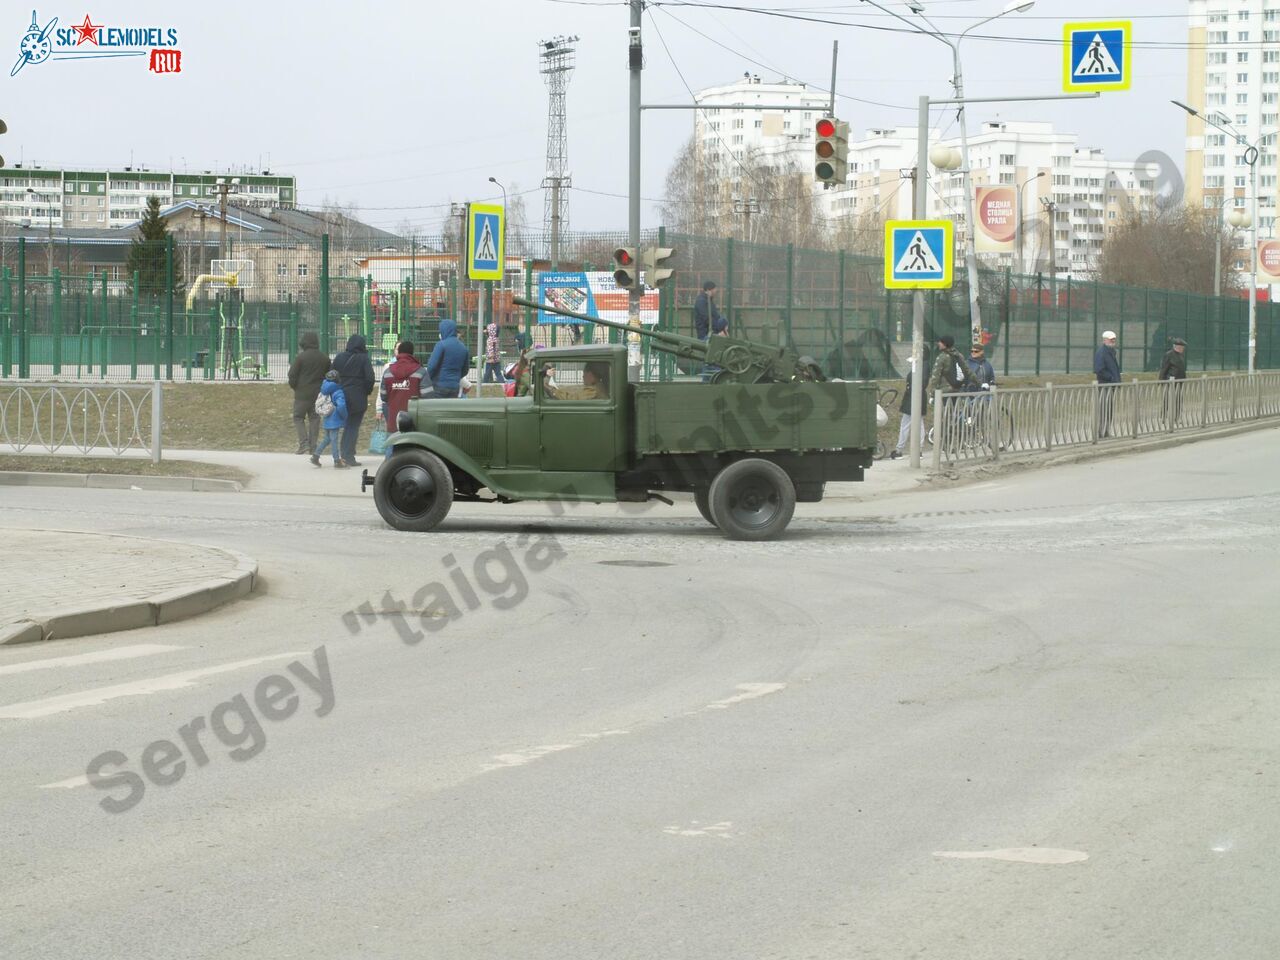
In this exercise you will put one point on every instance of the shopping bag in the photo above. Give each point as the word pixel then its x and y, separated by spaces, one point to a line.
pixel 378 441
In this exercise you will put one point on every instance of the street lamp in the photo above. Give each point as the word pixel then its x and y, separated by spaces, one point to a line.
pixel 33 193
pixel 1220 122
pixel 503 189
pixel 1235 219
pixel 1017 223
pixel 1014 6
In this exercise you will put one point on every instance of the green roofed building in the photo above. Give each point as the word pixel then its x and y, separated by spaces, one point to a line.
pixel 106 199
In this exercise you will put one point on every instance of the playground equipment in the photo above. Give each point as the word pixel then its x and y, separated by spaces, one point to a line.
pixel 230 354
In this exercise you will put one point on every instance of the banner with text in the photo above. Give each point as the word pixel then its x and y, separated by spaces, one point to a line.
pixel 997 219
pixel 1268 262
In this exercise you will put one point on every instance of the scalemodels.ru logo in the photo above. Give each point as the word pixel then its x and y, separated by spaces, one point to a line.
pixel 89 41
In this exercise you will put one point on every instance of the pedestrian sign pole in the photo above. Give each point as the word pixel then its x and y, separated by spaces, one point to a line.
pixel 486 238
pixel 1096 57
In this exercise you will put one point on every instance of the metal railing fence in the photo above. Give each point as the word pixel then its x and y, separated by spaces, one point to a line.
pixel 992 424
pixel 55 417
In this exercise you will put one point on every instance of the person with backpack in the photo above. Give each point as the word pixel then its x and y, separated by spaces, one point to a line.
pixel 404 379
pixel 355 371
pixel 306 373
pixel 332 405
pixel 951 372
pixel 448 362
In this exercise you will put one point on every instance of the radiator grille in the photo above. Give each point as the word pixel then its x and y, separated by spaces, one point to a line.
pixel 472 438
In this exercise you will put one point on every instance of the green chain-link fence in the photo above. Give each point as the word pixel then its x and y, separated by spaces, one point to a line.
pixel 90 324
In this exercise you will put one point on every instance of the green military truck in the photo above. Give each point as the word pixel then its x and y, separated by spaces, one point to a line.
pixel 765 433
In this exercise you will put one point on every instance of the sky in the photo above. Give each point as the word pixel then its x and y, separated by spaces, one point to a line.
pixel 401 108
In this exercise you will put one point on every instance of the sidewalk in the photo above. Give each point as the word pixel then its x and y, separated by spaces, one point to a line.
pixel 122 583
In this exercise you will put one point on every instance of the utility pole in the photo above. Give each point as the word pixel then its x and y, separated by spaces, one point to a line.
pixel 459 210
pixel 746 206
pixel 223 188
pixel 635 63
pixel 1052 207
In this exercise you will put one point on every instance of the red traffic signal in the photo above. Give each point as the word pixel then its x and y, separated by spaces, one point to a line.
pixel 826 127
pixel 626 275
pixel 830 150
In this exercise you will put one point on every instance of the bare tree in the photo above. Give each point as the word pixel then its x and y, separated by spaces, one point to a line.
pixel 1173 249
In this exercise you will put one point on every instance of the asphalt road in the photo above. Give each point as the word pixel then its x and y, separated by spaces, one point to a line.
pixel 1030 718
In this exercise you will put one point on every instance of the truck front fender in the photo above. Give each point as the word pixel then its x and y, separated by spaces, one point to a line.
pixel 452 454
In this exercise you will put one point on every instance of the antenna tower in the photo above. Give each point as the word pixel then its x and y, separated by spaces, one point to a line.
pixel 558 58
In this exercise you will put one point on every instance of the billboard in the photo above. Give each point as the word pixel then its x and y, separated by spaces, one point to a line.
pixel 997 215
pixel 596 294
pixel 1268 262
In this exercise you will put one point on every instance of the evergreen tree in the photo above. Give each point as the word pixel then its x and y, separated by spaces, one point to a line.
pixel 147 254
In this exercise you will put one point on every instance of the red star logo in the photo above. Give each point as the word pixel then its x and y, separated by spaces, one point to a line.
pixel 88 31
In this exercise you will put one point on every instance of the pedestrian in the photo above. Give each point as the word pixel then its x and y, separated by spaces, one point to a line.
pixel 950 370
pixel 706 318
pixel 1174 367
pixel 448 363
pixel 984 375
pixel 306 374
pixel 334 419
pixel 1106 368
pixel 355 371
pixel 492 367
pixel 404 379
pixel 904 429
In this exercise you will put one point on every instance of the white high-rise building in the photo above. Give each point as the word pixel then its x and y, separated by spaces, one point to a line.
pixel 731 129
pixel 1089 193
pixel 1233 68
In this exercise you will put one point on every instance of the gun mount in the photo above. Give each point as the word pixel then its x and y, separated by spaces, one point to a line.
pixel 739 360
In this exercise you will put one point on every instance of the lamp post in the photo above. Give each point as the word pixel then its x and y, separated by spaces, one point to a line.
pixel 33 193
pixel 1251 158
pixel 957 81
pixel 1017 224
pixel 1236 218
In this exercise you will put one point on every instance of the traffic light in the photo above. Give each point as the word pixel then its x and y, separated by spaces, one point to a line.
pixel 831 151
pixel 626 273
pixel 658 268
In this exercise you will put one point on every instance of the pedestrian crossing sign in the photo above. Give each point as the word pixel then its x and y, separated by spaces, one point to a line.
pixel 1097 56
pixel 918 254
pixel 484 241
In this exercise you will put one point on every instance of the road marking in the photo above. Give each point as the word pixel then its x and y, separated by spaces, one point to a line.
pixel 101 656
pixel 720 830
pixel 1046 855
pixel 749 692
pixel 504 760
pixel 80 781
pixel 91 698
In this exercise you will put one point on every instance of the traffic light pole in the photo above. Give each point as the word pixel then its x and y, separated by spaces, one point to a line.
pixel 635 63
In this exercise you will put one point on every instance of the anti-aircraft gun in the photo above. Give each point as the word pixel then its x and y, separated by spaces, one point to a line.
pixel 739 360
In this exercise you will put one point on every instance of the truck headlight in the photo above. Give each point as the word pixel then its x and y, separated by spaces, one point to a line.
pixel 404 422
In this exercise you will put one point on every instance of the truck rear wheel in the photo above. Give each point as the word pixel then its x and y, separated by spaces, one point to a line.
pixel 752 499
pixel 702 499
pixel 413 490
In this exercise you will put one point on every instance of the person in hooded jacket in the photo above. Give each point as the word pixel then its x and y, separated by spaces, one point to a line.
pixel 448 362
pixel 404 379
pixel 331 387
pixel 492 366
pixel 355 371
pixel 306 373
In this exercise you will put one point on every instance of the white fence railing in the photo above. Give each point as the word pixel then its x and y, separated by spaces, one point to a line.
pixel 60 417
pixel 989 425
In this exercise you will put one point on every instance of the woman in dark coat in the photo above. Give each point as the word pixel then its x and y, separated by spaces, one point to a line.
pixel 355 370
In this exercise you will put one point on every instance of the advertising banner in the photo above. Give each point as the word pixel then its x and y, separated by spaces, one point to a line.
pixel 1268 262
pixel 997 219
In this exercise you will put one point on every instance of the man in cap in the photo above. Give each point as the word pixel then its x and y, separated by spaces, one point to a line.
pixel 1106 367
pixel 1174 367
pixel 950 371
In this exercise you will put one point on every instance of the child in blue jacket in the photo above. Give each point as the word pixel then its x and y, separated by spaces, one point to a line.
pixel 334 420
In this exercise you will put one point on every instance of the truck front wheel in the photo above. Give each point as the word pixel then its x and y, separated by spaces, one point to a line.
pixel 413 490
pixel 752 499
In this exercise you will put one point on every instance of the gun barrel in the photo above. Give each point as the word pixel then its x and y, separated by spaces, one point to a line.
pixel 661 336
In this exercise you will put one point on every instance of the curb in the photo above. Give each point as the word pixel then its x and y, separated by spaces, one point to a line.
pixel 966 470
pixel 153 611
pixel 117 481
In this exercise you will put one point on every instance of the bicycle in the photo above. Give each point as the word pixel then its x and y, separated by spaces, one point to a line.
pixel 886 400
pixel 974 425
